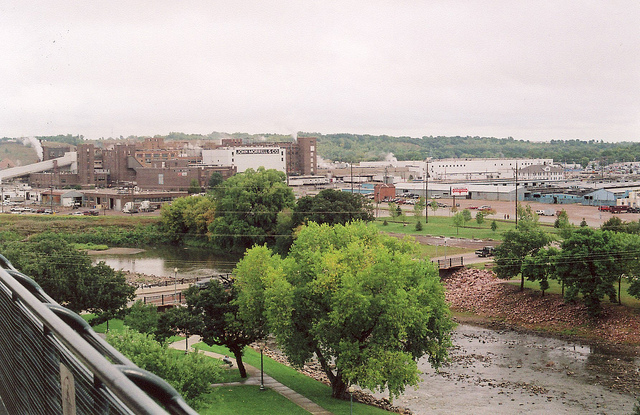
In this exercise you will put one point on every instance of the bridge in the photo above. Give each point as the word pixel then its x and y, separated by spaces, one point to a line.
pixel 52 362
pixel 449 262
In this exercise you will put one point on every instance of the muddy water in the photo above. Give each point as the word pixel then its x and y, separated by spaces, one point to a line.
pixel 505 372
pixel 163 261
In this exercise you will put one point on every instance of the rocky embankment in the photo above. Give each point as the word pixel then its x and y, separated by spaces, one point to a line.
pixel 481 293
pixel 497 304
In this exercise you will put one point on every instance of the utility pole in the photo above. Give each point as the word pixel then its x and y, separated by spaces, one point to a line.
pixel 426 195
pixel 516 195
pixel 351 165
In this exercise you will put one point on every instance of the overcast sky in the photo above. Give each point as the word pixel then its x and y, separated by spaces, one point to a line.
pixel 534 70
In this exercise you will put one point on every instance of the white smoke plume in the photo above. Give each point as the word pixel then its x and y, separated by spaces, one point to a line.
pixel 35 143
pixel 390 157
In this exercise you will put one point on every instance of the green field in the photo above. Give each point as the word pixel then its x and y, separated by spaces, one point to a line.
pixel 443 226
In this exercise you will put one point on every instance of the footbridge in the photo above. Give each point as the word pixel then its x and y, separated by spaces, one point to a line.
pixel 52 362
pixel 69 159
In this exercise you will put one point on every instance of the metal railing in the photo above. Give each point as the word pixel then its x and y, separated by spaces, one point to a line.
pixel 454 262
pixel 52 362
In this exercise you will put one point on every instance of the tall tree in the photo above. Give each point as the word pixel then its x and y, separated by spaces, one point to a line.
pixel 247 209
pixel 187 217
pixel 332 207
pixel 220 322
pixel 589 264
pixel 517 244
pixel 361 303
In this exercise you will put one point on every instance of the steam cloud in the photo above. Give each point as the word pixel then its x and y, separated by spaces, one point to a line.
pixel 35 143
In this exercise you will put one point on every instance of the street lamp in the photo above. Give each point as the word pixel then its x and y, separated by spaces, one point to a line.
pixel 351 390
pixel 263 344
pixel 175 285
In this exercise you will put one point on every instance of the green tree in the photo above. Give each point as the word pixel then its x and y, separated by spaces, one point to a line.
pixel 215 180
pixel 190 374
pixel 220 322
pixel 583 223
pixel 142 317
pixel 109 292
pixel 434 206
pixel 194 187
pixel 588 265
pixel 178 321
pixel 458 221
pixel 517 244
pixel 479 218
pixel 562 221
pixel 614 224
pixel 393 209
pixel 67 275
pixel 494 225
pixel 466 215
pixel 418 208
pixel 187 217
pixel 332 207
pixel 360 302
pixel 584 162
pixel 247 209
pixel 540 267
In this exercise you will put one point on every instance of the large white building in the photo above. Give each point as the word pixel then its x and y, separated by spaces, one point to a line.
pixel 464 168
pixel 244 158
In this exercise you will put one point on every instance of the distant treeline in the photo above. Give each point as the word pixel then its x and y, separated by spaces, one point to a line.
pixel 357 147
pixel 354 147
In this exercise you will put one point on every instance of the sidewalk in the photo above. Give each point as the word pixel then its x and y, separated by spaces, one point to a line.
pixel 253 378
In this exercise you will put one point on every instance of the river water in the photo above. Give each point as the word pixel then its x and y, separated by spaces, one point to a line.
pixel 162 262
pixel 506 372
pixel 490 372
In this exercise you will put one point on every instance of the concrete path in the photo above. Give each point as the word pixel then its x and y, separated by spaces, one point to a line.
pixel 253 378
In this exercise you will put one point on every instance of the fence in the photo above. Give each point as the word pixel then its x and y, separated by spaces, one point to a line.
pixel 52 362
pixel 450 263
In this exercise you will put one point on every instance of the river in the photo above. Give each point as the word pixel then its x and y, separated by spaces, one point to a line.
pixel 190 262
pixel 490 372
pixel 507 372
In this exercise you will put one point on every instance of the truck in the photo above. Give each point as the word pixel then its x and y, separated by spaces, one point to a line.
pixel 146 206
pixel 129 207
pixel 485 251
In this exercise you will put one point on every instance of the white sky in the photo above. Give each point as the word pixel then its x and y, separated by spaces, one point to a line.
pixel 535 70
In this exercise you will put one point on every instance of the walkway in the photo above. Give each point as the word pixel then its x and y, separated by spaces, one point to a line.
pixel 253 378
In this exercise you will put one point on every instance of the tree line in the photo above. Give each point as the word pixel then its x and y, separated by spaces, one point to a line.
pixel 255 207
pixel 588 263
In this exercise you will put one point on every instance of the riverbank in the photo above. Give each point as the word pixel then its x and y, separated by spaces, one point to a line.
pixel 478 297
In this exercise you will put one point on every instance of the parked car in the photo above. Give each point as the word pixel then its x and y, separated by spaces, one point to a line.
pixel 485 251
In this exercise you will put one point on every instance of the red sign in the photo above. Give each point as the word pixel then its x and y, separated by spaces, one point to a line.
pixel 459 192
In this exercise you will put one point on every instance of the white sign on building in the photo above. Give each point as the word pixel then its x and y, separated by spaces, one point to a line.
pixel 244 158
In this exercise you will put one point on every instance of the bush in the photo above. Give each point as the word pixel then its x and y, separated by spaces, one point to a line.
pixel 190 374
pixel 419 226
pixel 385 223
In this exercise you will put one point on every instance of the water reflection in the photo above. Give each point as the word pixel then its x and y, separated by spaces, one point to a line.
pixel 162 261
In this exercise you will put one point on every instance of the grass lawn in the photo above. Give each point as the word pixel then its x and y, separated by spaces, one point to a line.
pixel 247 400
pixel 443 226
pixel 556 288
pixel 304 385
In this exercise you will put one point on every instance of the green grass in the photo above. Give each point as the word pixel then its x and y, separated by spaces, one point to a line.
pixel 90 246
pixel 247 400
pixel 115 324
pixel 443 226
pixel 556 288
pixel 304 385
